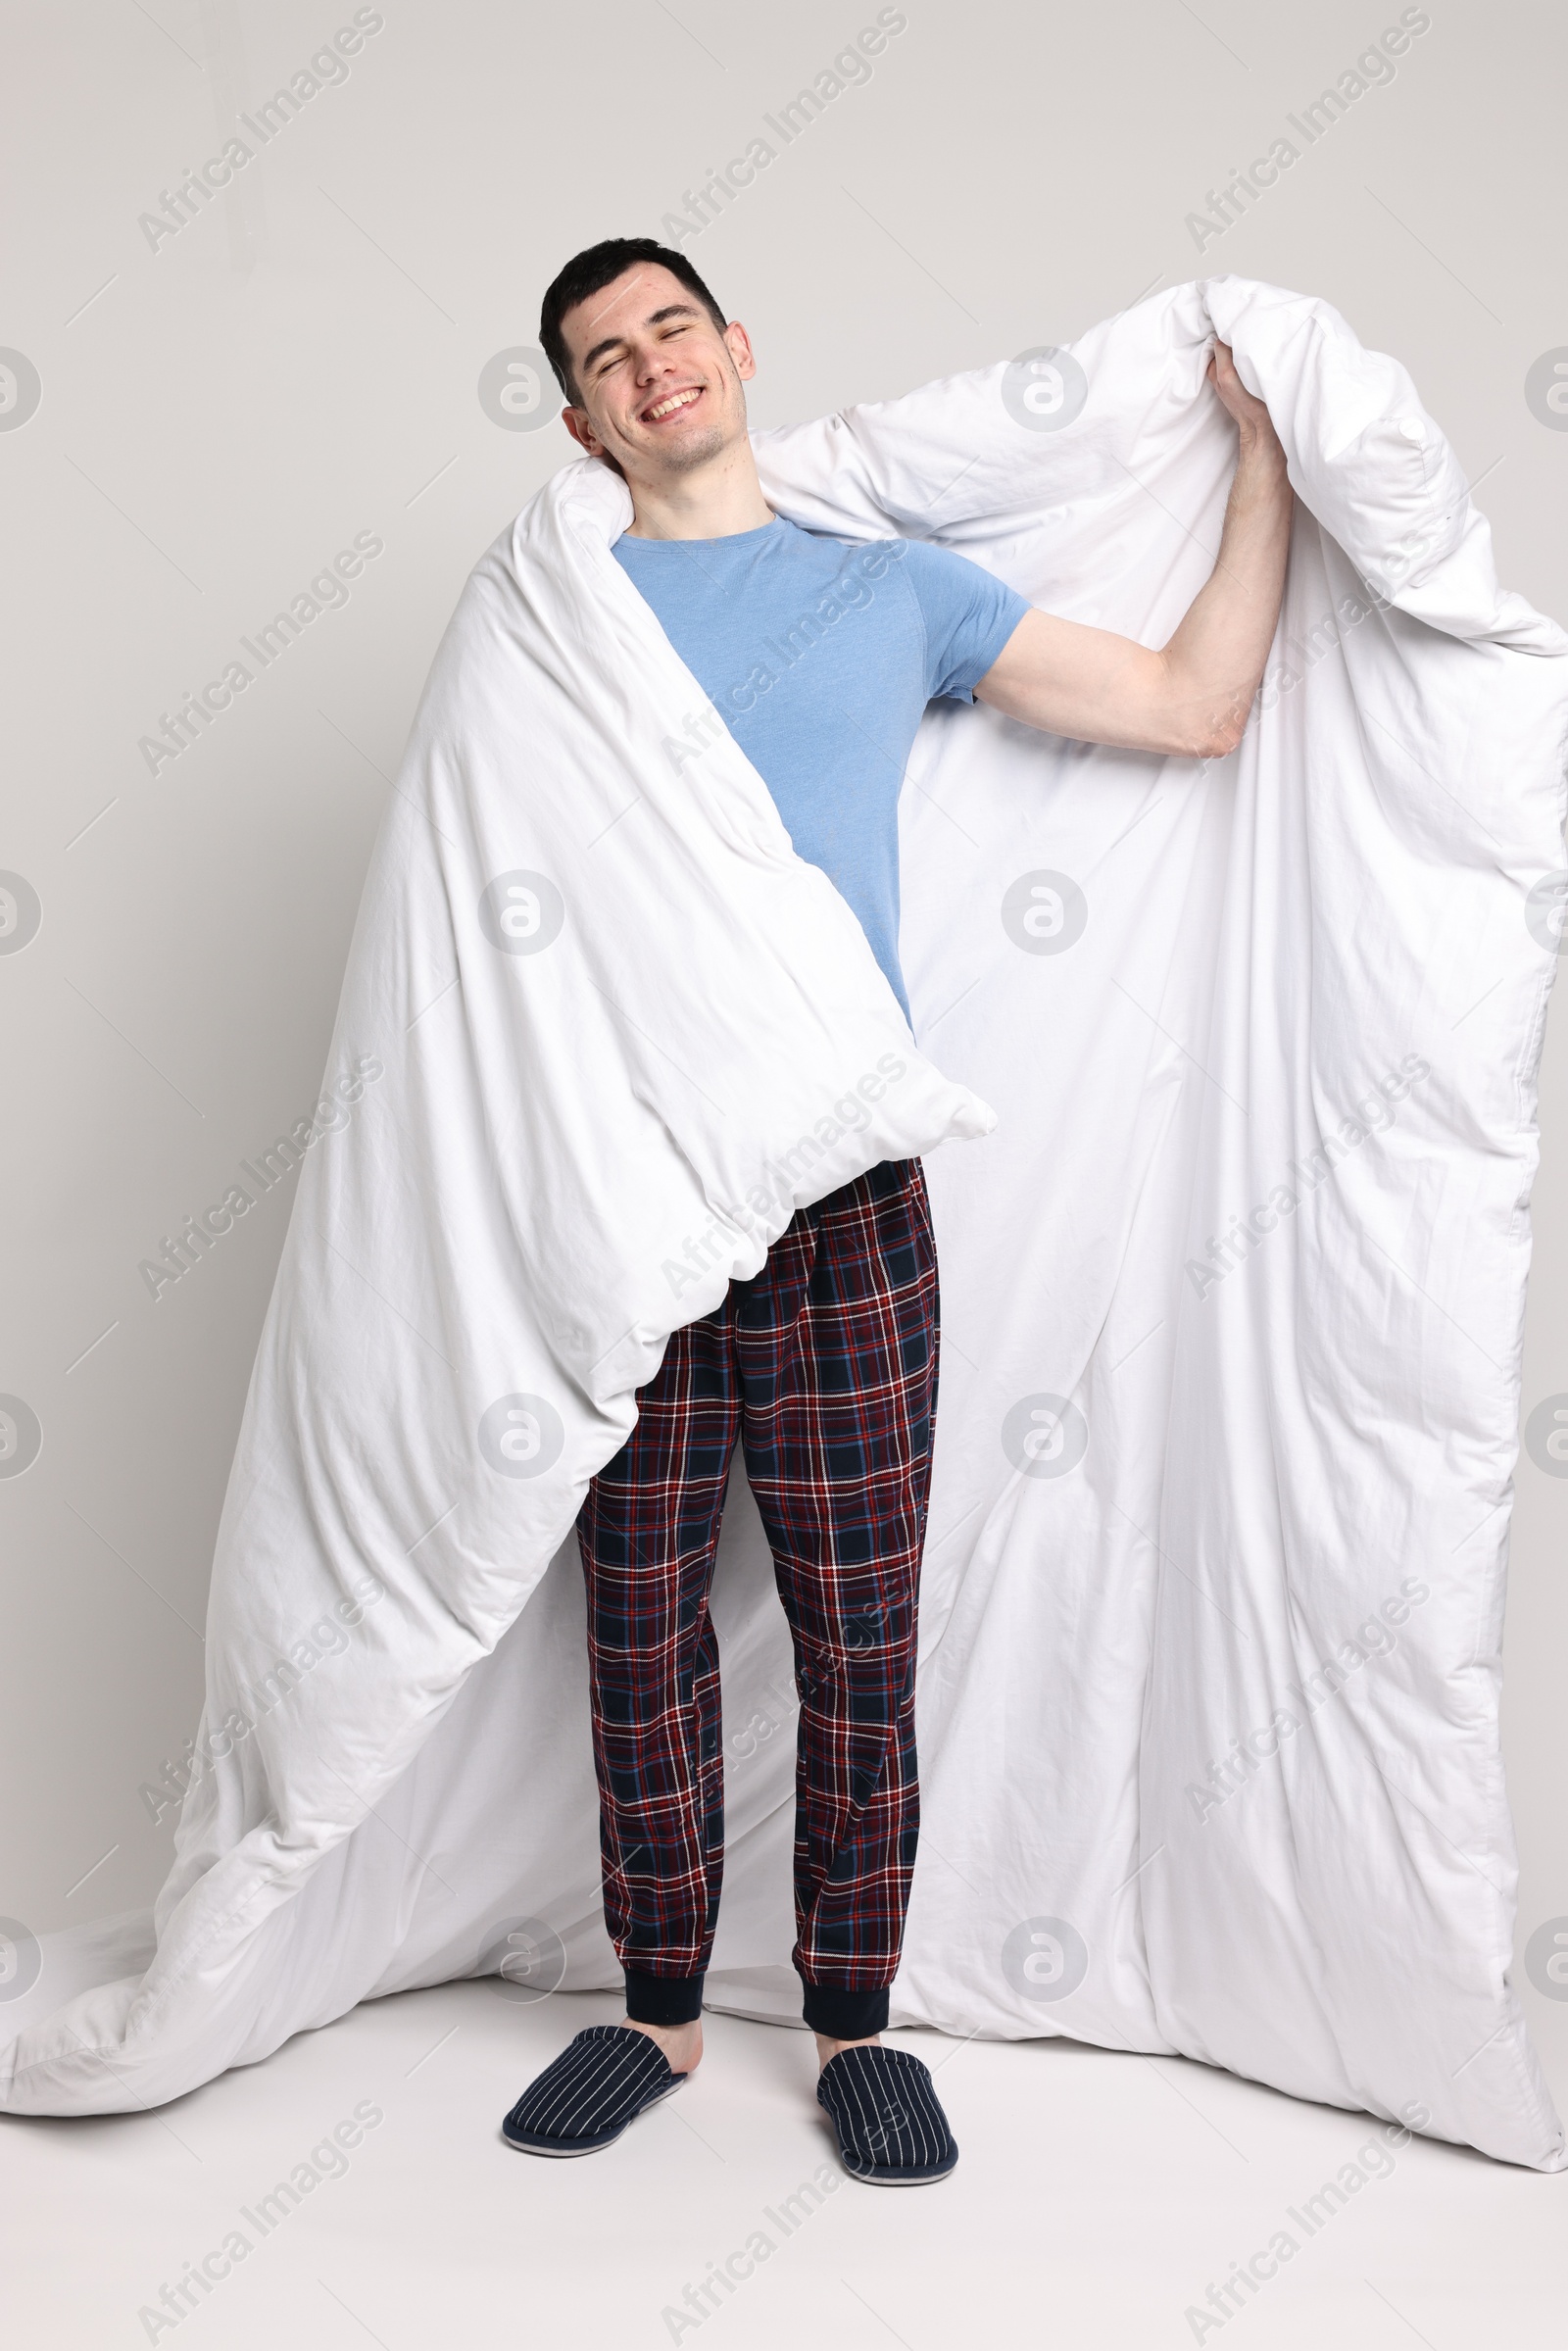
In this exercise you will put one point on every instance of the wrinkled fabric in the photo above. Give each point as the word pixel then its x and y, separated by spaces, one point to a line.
pixel 1232 1287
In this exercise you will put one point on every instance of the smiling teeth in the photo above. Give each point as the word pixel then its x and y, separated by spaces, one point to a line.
pixel 667 407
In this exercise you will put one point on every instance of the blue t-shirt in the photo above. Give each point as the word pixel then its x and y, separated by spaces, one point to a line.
pixel 821 660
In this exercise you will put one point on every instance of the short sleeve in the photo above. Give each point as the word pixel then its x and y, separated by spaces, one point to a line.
pixel 968 618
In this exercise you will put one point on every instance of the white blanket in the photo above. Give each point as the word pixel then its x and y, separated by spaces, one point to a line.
pixel 1233 1259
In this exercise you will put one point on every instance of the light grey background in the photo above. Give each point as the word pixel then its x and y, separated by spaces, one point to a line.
pixel 220 415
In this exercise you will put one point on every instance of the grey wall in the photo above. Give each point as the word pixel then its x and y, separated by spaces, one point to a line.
pixel 224 406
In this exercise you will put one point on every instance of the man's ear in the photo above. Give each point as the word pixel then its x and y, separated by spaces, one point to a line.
pixel 576 420
pixel 738 343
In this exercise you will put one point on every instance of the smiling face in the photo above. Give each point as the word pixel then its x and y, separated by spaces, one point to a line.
pixel 657 384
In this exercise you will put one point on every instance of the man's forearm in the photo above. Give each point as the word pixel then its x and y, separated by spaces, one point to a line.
pixel 1215 662
pixel 1192 698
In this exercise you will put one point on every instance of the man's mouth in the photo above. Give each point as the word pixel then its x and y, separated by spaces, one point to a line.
pixel 671 404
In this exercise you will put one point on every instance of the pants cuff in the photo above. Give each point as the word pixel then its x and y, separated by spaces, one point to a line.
pixel 844 2015
pixel 663 1999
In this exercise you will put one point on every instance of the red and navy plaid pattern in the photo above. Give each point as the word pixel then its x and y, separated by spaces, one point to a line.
pixel 824 1364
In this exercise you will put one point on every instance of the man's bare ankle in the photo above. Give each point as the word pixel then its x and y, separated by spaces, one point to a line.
pixel 682 2044
pixel 827 2047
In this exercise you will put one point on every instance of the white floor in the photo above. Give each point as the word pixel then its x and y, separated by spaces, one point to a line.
pixel 1098 2199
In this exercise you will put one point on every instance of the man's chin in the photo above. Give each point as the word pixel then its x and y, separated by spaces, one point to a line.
pixel 685 453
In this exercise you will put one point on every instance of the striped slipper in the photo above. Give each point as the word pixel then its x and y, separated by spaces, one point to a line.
pixel 598 2083
pixel 890 2128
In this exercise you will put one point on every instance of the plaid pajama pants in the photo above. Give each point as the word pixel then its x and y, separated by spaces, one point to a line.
pixel 824 1365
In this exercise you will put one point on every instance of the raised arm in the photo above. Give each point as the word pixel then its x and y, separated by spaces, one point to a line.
pixel 1191 697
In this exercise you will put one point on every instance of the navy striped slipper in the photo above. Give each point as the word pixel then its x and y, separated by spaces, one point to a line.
pixel 598 2083
pixel 890 2128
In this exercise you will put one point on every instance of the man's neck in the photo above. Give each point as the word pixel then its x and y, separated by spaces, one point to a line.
pixel 717 501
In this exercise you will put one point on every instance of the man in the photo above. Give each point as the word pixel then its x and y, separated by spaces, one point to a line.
pixel 824 1364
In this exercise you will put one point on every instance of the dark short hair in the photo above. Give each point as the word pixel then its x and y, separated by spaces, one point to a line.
pixel 589 272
